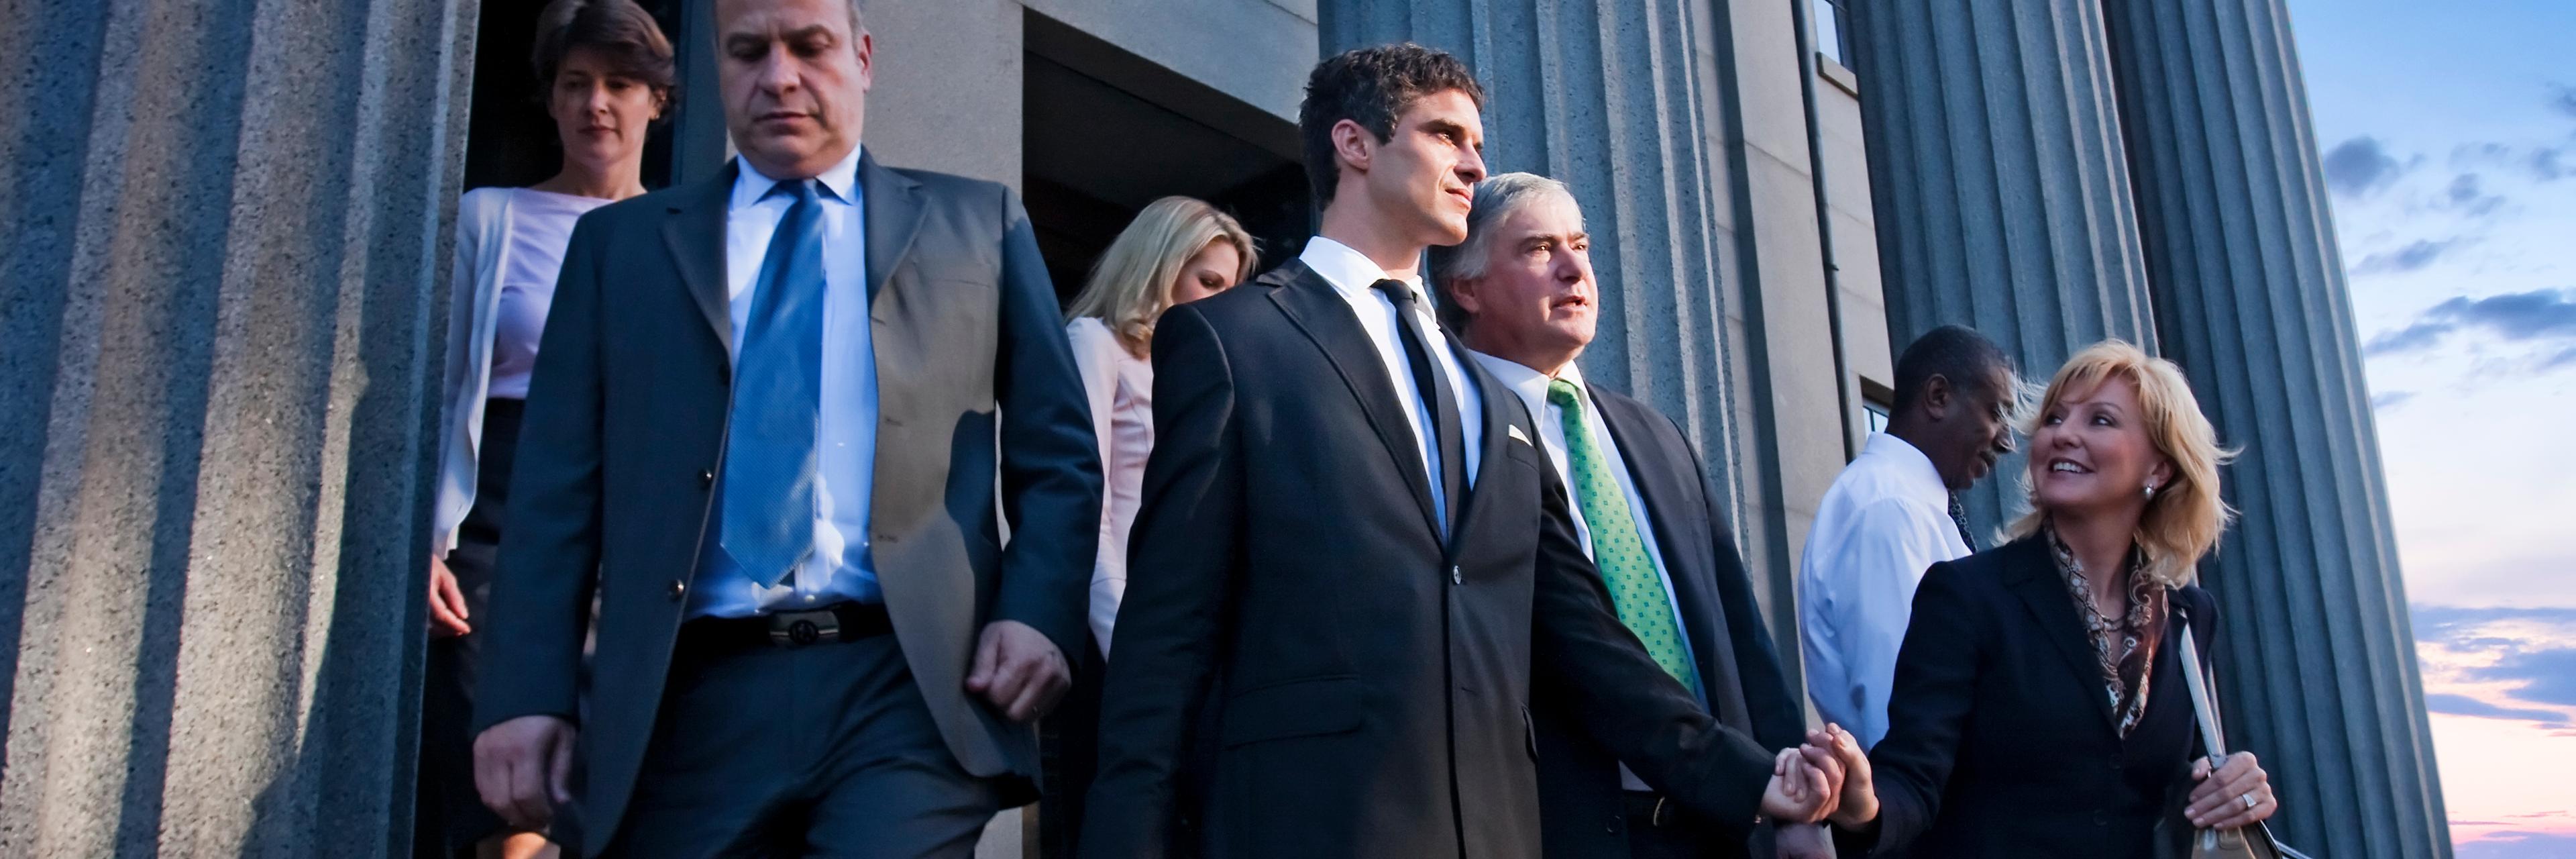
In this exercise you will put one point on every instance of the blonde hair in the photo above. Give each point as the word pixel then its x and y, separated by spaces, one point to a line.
pixel 1131 286
pixel 2185 517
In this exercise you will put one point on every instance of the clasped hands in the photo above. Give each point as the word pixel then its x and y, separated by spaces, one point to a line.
pixel 1825 778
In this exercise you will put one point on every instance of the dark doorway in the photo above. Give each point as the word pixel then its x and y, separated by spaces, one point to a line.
pixel 1106 132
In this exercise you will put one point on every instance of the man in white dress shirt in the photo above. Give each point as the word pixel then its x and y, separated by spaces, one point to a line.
pixel 773 418
pixel 1521 293
pixel 1892 514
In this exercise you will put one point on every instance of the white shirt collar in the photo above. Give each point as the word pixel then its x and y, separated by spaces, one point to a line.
pixel 1530 384
pixel 1910 467
pixel 1350 272
pixel 842 179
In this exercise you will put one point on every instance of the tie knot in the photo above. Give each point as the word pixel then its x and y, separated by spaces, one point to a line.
pixel 802 190
pixel 1564 394
pixel 1396 291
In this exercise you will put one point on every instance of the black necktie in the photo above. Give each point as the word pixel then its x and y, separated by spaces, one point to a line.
pixel 1959 516
pixel 1439 400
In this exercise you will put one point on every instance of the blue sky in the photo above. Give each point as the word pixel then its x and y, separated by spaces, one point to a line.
pixel 2448 132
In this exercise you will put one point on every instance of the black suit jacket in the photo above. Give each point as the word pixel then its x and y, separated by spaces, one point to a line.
pixel 625 431
pixel 1581 809
pixel 1367 684
pixel 2000 738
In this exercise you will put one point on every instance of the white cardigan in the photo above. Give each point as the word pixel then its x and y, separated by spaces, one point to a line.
pixel 474 297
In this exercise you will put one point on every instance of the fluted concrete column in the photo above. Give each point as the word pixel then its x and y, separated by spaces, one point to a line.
pixel 2317 660
pixel 1998 184
pixel 1606 96
pixel 226 224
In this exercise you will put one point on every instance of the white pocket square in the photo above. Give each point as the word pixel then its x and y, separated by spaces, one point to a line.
pixel 1515 434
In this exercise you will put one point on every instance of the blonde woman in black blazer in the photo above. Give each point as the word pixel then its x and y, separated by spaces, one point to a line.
pixel 2040 707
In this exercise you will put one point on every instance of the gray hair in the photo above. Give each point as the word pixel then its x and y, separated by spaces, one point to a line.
pixel 1496 199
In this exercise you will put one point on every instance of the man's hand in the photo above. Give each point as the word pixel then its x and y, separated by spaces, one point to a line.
pixel 1802 841
pixel 1799 791
pixel 1859 799
pixel 446 602
pixel 1018 670
pixel 522 767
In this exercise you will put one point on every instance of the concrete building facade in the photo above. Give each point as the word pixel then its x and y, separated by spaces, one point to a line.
pixel 228 220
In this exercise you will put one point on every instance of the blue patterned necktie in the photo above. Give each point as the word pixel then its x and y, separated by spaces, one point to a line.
pixel 1959 517
pixel 1636 589
pixel 768 523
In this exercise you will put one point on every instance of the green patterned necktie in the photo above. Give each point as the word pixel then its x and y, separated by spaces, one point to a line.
pixel 1636 591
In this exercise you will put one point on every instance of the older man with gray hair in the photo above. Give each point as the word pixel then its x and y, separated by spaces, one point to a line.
pixel 1521 293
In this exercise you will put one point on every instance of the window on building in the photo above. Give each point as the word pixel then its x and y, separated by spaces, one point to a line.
pixel 1873 415
pixel 1831 40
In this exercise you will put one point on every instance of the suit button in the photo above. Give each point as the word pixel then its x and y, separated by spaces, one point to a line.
pixel 679 589
pixel 706 478
pixel 1455 578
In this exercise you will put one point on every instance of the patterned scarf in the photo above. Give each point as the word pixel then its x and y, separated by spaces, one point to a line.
pixel 2126 647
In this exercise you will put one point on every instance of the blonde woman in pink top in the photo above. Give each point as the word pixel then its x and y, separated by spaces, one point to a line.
pixel 1177 250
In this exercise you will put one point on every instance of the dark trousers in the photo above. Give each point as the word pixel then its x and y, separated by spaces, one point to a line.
pixel 821 750
pixel 1068 754
pixel 448 815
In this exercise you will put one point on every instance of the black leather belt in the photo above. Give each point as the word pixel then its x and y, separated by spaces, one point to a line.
pixel 832 624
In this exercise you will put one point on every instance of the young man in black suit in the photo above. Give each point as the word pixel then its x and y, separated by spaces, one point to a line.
pixel 1520 291
pixel 1351 558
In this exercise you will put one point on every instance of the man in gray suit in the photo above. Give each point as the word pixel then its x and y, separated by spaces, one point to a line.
pixel 770 414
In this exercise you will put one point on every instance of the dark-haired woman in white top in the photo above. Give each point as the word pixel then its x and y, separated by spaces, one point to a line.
pixel 608 74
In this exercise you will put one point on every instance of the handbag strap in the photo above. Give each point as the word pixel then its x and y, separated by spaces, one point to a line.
pixel 2209 735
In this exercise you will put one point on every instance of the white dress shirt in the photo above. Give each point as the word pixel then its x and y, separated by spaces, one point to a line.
pixel 1531 385
pixel 1885 521
pixel 845 438
pixel 1121 389
pixel 1355 278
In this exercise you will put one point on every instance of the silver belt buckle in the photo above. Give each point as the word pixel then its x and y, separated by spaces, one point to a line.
pixel 800 628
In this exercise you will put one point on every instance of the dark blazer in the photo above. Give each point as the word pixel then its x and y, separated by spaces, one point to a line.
pixel 2000 738
pixel 625 430
pixel 1581 809
pixel 1368 684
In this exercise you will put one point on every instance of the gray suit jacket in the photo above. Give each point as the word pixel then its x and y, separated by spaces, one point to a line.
pixel 625 429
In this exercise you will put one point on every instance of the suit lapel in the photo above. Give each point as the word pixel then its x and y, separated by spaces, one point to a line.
pixel 1490 394
pixel 893 215
pixel 2041 591
pixel 695 233
pixel 1326 319
pixel 1690 563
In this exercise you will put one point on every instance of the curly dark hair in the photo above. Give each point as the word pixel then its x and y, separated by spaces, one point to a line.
pixel 1371 86
pixel 618 29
